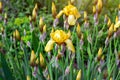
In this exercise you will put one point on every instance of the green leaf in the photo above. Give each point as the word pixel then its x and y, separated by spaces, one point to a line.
pixel 35 40
pixel 6 70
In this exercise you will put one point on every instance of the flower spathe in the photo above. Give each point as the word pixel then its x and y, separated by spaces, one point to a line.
pixel 59 37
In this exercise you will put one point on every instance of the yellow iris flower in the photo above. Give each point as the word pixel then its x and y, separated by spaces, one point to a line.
pixel 59 37
pixel 71 12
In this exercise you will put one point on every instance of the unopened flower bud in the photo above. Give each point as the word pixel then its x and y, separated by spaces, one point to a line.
pixel 32 58
pixel 54 11
pixel 99 54
pixel 0 7
pixel 79 75
pixel 34 14
pixel 16 35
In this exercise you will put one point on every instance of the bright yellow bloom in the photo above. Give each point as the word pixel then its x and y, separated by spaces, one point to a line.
pixel 59 37
pixel 54 11
pixel 70 11
pixel 79 75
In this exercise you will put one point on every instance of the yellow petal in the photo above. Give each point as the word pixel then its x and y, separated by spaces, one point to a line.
pixel 59 14
pixel 117 24
pixel 71 20
pixel 78 75
pixel 70 45
pixel 49 45
pixel 69 33
pixel 59 36
pixel 32 58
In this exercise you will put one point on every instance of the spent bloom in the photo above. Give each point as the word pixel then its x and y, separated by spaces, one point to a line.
pixel 59 37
